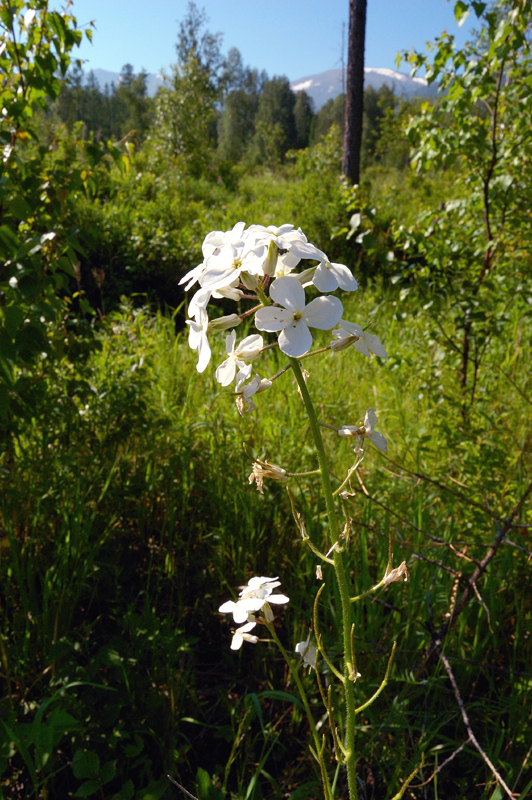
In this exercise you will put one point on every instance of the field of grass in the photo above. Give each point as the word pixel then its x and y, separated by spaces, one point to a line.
pixel 138 521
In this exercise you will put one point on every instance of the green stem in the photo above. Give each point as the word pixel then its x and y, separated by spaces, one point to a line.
pixel 343 584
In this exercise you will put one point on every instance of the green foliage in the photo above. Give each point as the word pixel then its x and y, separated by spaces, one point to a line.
pixel 475 246
pixel 39 252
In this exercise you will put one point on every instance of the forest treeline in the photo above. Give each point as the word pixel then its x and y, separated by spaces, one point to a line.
pixel 214 107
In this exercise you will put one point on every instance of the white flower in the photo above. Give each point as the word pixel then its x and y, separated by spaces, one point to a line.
pixel 13 282
pixel 197 338
pixel 329 276
pixel 255 596
pixel 366 431
pixel 215 240
pixel 351 333
pixel 293 321
pixel 307 651
pixel 245 394
pixel 278 243
pixel 225 266
pixel 238 358
pixel 242 635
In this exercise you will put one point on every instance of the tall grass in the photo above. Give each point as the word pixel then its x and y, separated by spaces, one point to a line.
pixel 138 520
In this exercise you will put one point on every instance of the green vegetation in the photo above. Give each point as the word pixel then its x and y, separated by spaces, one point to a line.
pixel 126 516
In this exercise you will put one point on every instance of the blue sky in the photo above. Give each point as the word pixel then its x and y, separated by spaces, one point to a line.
pixel 295 38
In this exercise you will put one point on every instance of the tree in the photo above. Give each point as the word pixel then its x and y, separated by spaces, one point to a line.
pixel 303 118
pixel 275 122
pixel 354 105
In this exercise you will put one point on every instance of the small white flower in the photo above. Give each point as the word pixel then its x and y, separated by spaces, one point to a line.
pixel 242 635
pixel 256 596
pixel 307 651
pixel 227 266
pixel 246 393
pixel 366 431
pixel 293 321
pixel 370 421
pixel 13 282
pixel 239 358
pixel 352 334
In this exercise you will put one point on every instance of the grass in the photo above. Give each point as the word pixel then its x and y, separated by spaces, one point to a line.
pixel 138 521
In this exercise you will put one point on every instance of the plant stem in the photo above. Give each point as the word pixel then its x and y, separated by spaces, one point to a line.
pixel 343 583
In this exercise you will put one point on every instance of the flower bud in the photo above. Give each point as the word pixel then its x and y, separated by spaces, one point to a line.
pixel 223 323
pixel 342 344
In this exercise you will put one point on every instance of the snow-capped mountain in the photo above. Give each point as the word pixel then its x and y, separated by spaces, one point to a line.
pixel 320 88
pixel 327 85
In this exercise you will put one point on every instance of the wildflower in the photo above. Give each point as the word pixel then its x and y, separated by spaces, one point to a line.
pixel 225 267
pixel 197 338
pixel 279 247
pixel 256 596
pixel 350 333
pixel 244 395
pixel 366 431
pixel 400 572
pixel 293 321
pixel 262 469
pixel 242 635
pixel 238 358
pixel 307 651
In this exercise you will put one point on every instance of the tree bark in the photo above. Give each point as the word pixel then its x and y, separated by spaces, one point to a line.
pixel 354 99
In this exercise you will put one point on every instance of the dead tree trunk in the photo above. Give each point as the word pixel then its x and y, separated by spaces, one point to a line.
pixel 354 99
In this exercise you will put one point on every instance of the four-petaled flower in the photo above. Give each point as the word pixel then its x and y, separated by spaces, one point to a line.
pixel 366 431
pixel 239 358
pixel 294 320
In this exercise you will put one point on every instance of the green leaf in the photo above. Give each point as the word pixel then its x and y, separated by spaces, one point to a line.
pixel 86 764
pixel 87 788
pixel 108 772
pixel 205 789
pixel 460 9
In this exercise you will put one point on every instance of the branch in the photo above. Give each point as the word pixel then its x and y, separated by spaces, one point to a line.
pixel 472 736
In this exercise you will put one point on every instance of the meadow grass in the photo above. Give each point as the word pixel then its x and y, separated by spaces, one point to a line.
pixel 139 521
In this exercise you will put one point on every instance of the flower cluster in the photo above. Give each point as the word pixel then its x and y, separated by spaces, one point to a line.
pixel 256 596
pixel 259 264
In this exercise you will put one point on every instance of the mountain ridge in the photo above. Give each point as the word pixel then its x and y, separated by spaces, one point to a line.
pixel 321 87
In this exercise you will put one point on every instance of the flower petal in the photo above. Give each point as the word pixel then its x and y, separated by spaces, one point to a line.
pixel 323 312
pixel 295 339
pixel 378 440
pixel 344 276
pixel 204 353
pixel 324 280
pixel 273 319
pixel 288 292
pixel 225 373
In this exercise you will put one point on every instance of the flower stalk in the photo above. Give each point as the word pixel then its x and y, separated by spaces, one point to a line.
pixel 340 569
